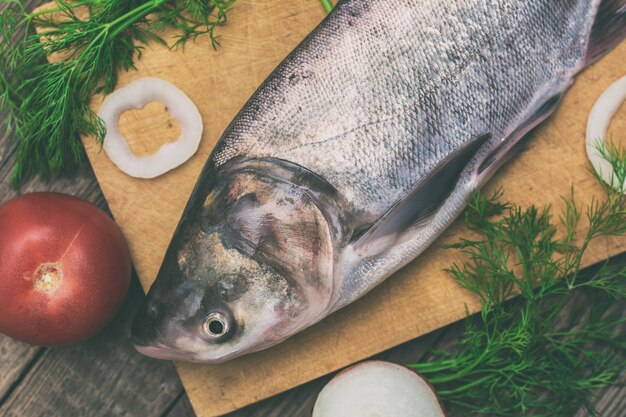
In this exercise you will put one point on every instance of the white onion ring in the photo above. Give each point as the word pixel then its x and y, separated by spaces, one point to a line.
pixel 598 124
pixel 169 156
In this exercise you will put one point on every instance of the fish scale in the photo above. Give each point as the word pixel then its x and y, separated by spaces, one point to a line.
pixel 438 88
pixel 354 155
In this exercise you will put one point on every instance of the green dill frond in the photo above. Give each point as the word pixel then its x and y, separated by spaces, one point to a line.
pixel 47 103
pixel 192 18
pixel 613 153
pixel 548 334
pixel 481 208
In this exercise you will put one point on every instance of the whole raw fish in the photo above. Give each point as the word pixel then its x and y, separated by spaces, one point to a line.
pixel 354 155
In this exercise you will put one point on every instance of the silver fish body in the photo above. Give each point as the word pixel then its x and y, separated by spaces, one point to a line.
pixel 354 155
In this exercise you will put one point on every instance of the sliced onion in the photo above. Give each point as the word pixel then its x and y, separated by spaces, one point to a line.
pixel 377 388
pixel 169 156
pixel 597 125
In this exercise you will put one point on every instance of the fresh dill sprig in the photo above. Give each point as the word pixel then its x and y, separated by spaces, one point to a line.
pixel 518 356
pixel 47 103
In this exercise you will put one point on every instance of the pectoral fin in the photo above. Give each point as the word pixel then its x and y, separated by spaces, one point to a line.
pixel 418 206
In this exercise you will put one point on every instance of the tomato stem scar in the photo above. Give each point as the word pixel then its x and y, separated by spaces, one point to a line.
pixel 47 277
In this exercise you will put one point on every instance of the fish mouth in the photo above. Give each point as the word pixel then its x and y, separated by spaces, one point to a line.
pixel 146 342
pixel 163 352
pixel 147 345
pixel 144 336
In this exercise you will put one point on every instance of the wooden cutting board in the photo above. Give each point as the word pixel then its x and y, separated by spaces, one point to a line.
pixel 417 300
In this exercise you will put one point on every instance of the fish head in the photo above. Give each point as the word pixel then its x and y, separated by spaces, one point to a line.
pixel 250 265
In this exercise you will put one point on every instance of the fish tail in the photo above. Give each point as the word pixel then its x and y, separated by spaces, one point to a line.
pixel 608 30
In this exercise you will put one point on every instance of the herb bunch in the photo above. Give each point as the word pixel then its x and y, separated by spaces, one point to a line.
pixel 48 102
pixel 520 357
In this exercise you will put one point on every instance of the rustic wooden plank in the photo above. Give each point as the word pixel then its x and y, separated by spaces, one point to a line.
pixel 182 408
pixel 16 360
pixel 611 402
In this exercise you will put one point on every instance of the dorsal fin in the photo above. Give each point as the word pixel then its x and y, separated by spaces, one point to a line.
pixel 421 202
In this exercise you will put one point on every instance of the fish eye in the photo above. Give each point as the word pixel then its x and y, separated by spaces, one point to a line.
pixel 217 326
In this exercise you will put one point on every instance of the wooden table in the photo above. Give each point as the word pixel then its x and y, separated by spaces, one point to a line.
pixel 104 376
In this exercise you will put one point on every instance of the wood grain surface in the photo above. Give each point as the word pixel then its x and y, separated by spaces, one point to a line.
pixel 38 381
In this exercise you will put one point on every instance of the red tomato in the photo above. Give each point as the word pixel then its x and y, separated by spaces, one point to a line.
pixel 64 269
